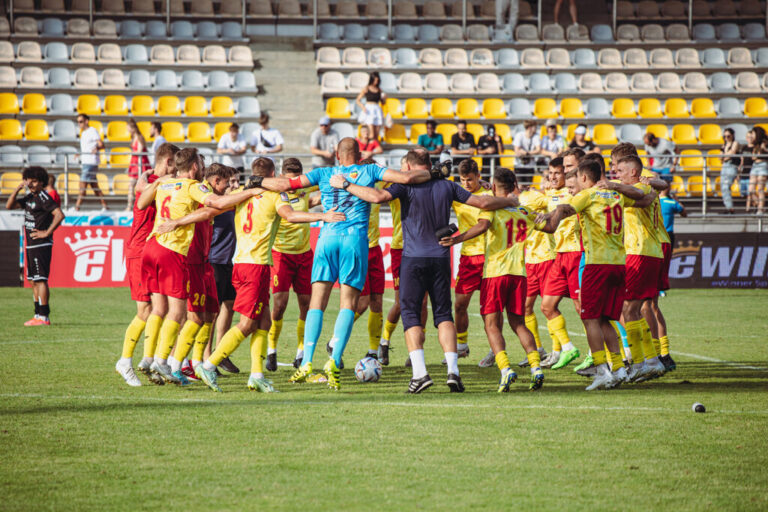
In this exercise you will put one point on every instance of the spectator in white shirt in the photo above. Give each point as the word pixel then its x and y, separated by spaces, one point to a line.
pixel 527 147
pixel 322 144
pixel 266 140
pixel 90 145
pixel 155 132
pixel 552 143
pixel 232 145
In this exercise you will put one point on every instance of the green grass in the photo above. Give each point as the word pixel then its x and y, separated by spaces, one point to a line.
pixel 74 437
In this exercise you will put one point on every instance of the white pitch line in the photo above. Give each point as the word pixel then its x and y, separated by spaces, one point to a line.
pixel 393 404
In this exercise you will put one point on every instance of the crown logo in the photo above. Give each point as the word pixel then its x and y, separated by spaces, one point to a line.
pixel 99 241
pixel 691 248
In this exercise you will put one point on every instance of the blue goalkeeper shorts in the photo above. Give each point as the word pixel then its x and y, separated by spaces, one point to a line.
pixel 342 258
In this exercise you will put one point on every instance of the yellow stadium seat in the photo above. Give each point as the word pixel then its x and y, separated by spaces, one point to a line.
pixel 69 182
pixel 691 160
pixel 467 108
pixel 659 130
pixel 696 186
pixel 173 131
pixel 508 161
pixel 569 132
pixel 396 135
pixel 479 161
pixel 36 129
pixel 116 105
pixel 199 131
pixel 338 108
pixel 34 103
pixel 194 106
pixel 676 108
pixel 714 163
pixel 440 108
pixel 9 103
pixel 756 107
pixel 415 108
pixel 571 108
pixel 142 106
pixel 416 130
pixel 683 134
pixel 649 108
pixel 220 129
pixel 543 130
pixel 103 182
pixel 475 129
pixel 493 108
pixel 545 108
pixel 643 157
pixel 144 127
pixel 88 104
pixel 121 184
pixel 505 132
pixel 677 186
pixel 117 131
pixel 702 108
pixel 98 126
pixel 446 130
pixel 604 134
pixel 120 157
pixel 735 188
pixel 222 106
pixel 710 134
pixel 168 106
pixel 536 181
pixel 623 108
pixel 393 107
pixel 9 181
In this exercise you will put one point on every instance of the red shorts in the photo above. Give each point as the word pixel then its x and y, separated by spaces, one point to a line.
pixel 202 289
pixel 374 281
pixel 563 277
pixel 602 291
pixel 164 271
pixel 396 256
pixel 292 270
pixel 664 274
pixel 642 277
pixel 470 274
pixel 251 282
pixel 211 292
pixel 139 292
pixel 503 293
pixel 537 275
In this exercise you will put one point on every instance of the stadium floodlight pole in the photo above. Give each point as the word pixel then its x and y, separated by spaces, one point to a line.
pixel 389 18
pixel 690 16
pixel 244 28
pixel 538 21
pixel 90 16
pixel 10 6
pixel 464 17
pixel 613 13
pixel 167 17
pixel 314 18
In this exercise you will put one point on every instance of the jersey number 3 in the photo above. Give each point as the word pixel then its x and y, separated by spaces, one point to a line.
pixel 248 226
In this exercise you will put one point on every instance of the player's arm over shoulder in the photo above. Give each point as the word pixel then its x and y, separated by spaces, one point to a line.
pixel 405 178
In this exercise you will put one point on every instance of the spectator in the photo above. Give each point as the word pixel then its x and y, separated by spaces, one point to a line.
pixel 580 140
pixel 371 113
pixel 662 155
pixel 432 141
pixel 368 147
pixel 730 169
pixel 322 144
pixel 527 145
pixel 232 145
pixel 571 9
pixel 90 145
pixel 266 140
pixel 758 174
pixel 155 132
pixel 490 144
pixel 139 163
pixel 51 189
pixel 462 142
pixel 553 144
pixel 669 207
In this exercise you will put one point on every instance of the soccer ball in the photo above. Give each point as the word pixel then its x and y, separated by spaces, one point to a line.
pixel 368 369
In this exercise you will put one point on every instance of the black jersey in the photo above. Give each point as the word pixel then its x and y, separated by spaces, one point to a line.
pixel 38 214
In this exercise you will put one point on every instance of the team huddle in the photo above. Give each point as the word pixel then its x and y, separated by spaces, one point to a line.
pixel 601 243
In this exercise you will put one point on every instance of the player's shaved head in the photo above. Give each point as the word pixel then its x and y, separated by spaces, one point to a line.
pixel 505 179
pixel 348 150
pixel 292 166
pixel 263 167
pixel 591 169
pixel 623 149
pixel 632 163
pixel 418 157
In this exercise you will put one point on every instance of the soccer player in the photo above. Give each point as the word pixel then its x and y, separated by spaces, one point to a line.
pixel 42 216
pixel 141 227
pixel 601 218
pixel 563 275
pixel 292 266
pixel 163 264
pixel 472 250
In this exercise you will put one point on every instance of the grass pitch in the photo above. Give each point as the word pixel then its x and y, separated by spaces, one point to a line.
pixel 73 436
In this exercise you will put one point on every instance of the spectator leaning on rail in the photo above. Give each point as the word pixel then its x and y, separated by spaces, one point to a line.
pixel 662 154
pixel 322 144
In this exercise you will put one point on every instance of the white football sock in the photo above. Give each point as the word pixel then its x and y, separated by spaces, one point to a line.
pixel 462 346
pixel 175 365
pixel 258 375
pixel 417 361
pixel 568 346
pixel 209 366
pixel 452 362
pixel 271 351
pixel 126 361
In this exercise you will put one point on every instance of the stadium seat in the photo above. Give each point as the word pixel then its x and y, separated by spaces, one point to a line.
pixel 704 33
pixel 78 27
pixel 558 58
pixel 739 58
pixel 9 103
pixel 439 108
pixel 141 79
pixel 481 58
pixel 508 58
pixel 11 156
pixel 590 83
pixel 747 81
pixel 36 129
pixel 602 34
pixel 135 54
pixel 597 108
pixel 584 58
pixel 257 8
pixel 433 9
pixel 659 130
pixel 192 79
pixel 519 108
pixel 532 58
pixel 704 107
pixel 155 29
pixel 169 106
pixel 376 9
pixel 487 83
pixel 405 58
pixel 635 58
pixel 676 108
pixel 10 181
pixel 115 105
pixel 616 83
pixel 63 130
pixel 166 79
pixel 755 107
pixel 222 106
pixel 195 106
pixel 623 108
pixel 357 80
pixel 437 83
pixel 552 33
pixel 571 108
pixel 88 104
pixel 32 76
pixel 721 82
pixel 6 52
pixel 754 32
pixel 513 83
pixel 647 9
pixel 121 184
pixel 526 33
pixel 416 130
pixel 207 30
pixel 214 55
pixel 677 187
pixel 338 108
pixel 687 58
pixel 120 157
pixel 713 58
pixel 69 182
pixel 52 27
pixel 39 155
pixel 24 25
pixel 353 32
pixel 467 108
pixel 396 135
pixel 29 51
pixel 451 32
pixel 393 108
pixel 565 83
pixel 631 132
pixel 172 131
pixel 545 108
pixel 188 55
pixel 83 53
pixel 446 130
pixel 493 108
pixel 112 79
pixel 604 135
pixel 109 53
pixel 677 32
pixel 696 186
pixel 628 33
pixel 669 82
pixel 117 131
pixel 430 58
pixel 695 82
pixel 710 134
pixel 661 58
pixel 161 54
pixel 405 9
pixel 245 81
pixel 199 131
pixel 683 134
pixel 220 129
pixel 404 34
pixel 408 83
pixel 142 106
pixel 379 58
pixel 728 32
pixel 455 58
pixel 609 58
pixel 34 103
pixel 714 163
pixel 691 160
pixel 327 57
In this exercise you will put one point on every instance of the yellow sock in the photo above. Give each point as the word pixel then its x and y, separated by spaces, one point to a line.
pixel 151 332
pixel 534 359
pixel 635 341
pixel 502 361
pixel 167 338
pixel 556 347
pixel 300 334
pixel 201 340
pixel 258 351
pixel 616 361
pixel 615 326
pixel 389 328
pixel 132 335
pixel 557 327
pixel 664 345
pixel 462 337
pixel 374 329
pixel 229 343
pixel 274 333
pixel 533 325
pixel 648 349
pixel 656 345
pixel 186 340
pixel 598 357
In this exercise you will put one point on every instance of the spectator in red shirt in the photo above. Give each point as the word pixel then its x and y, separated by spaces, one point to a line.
pixel 368 146
pixel 51 189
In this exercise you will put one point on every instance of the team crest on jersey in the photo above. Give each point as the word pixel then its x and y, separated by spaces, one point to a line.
pixel 523 210
pixel 203 188
pixel 284 197
pixel 353 175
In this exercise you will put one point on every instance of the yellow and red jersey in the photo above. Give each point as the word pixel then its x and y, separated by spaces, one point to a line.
pixel 373 222
pixel 468 217
pixel 201 240
pixel 567 233
pixel 601 219
pixel 540 246
pixel 293 238
pixel 174 199
pixel 641 227
pixel 256 225
pixel 397 227
pixel 505 242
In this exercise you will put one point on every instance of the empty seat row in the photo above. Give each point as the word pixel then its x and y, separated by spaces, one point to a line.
pixel 146 7
pixel 117 105
pixel 403 33
pixel 134 54
pixel 678 9
pixel 112 78
pixel 531 58
pixel 542 83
